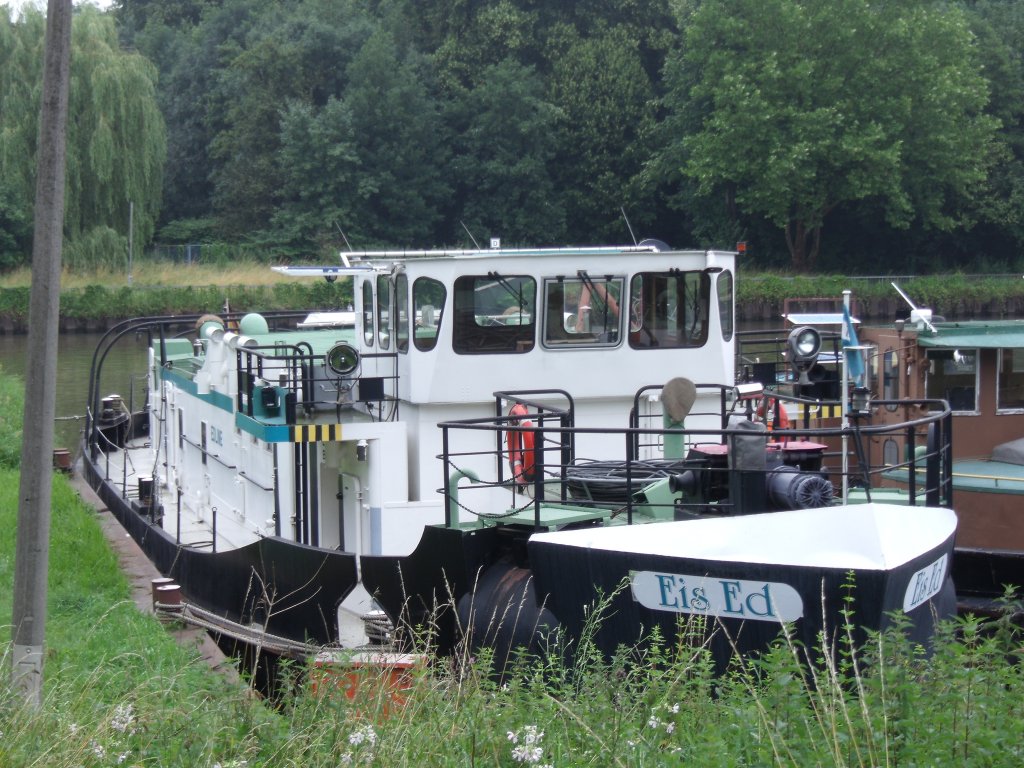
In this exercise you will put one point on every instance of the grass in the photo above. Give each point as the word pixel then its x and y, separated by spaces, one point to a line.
pixel 156 274
pixel 119 691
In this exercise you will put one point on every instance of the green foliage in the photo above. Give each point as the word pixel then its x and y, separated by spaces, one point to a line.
pixel 14 303
pixel 12 404
pixel 401 191
pixel 505 143
pixel 187 231
pixel 15 229
pixel 98 302
pixel 608 103
pixel 796 107
pixel 100 247
pixel 116 144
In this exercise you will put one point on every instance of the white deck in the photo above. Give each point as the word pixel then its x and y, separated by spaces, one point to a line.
pixel 863 536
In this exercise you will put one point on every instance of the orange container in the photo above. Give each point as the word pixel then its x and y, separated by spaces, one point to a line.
pixel 372 680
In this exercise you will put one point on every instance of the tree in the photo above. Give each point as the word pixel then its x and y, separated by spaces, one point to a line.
pixel 21 55
pixel 116 144
pixel 791 108
pixel 401 148
pixel 604 139
pixel 289 54
pixel 320 167
pixel 118 137
pixel 998 204
pixel 504 144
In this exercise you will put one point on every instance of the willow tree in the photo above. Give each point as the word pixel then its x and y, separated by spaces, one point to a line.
pixel 21 56
pixel 116 143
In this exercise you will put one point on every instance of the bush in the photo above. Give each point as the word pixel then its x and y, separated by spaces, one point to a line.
pixel 99 248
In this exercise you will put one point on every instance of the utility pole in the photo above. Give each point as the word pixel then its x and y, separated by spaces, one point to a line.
pixel 31 558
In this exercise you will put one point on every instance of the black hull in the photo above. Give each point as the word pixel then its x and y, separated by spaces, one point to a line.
pixel 287 589
pixel 982 577
pixel 423 589
pixel 574 577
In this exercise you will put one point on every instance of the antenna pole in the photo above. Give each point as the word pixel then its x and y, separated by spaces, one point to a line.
pixel 475 243
pixel 628 225
pixel 347 244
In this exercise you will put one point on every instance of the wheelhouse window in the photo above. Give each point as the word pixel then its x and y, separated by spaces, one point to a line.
pixel 891 378
pixel 952 375
pixel 368 329
pixel 428 296
pixel 402 312
pixel 725 312
pixel 494 314
pixel 669 310
pixel 1010 392
pixel 383 311
pixel 582 311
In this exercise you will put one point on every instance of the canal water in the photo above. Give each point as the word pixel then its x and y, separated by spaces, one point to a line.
pixel 74 361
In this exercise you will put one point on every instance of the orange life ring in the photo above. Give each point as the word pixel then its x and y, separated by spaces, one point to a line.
pixel 520 447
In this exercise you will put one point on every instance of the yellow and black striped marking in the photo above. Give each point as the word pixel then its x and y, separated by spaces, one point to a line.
pixel 820 411
pixel 314 433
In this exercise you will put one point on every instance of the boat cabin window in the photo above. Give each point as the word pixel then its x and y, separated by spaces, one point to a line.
pixel 582 311
pixel 368 330
pixel 383 311
pixel 494 314
pixel 1010 392
pixel 401 312
pixel 428 296
pixel 891 378
pixel 725 311
pixel 952 375
pixel 669 309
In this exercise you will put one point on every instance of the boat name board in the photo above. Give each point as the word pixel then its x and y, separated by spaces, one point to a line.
pixel 925 584
pixel 710 596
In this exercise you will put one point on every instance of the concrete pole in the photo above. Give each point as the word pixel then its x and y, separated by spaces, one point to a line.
pixel 31 558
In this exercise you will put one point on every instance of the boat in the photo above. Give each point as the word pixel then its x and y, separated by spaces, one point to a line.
pixel 977 366
pixel 486 443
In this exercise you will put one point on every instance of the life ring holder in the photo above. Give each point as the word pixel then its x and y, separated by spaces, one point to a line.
pixel 520 446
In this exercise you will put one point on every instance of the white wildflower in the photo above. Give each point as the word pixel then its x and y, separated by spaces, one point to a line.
pixel 530 750
pixel 122 757
pixel 654 722
pixel 124 716
pixel 674 709
pixel 97 749
pixel 361 734
pixel 670 727
pixel 530 735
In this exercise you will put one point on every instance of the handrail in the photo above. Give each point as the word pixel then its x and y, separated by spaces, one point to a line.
pixel 932 431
